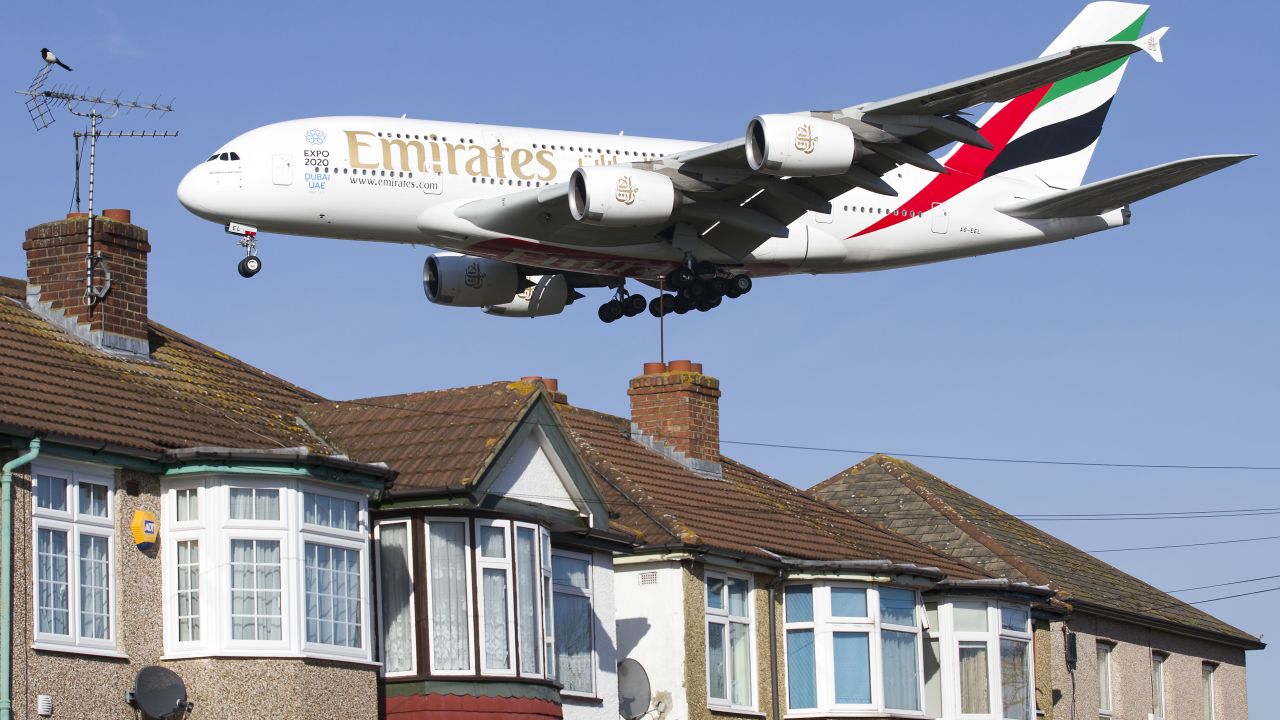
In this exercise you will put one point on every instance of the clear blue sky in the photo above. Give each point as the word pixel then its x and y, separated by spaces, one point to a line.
pixel 1155 343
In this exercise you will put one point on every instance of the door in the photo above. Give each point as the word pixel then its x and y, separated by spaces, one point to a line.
pixel 282 169
pixel 939 221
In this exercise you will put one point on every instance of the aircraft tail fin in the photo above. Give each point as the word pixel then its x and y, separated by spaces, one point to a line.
pixel 1047 136
pixel 1104 196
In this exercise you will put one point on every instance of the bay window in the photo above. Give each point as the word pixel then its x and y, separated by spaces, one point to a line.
pixel 852 648
pixel 574 621
pixel 730 666
pixel 73 555
pixel 493 557
pixel 986 648
pixel 266 568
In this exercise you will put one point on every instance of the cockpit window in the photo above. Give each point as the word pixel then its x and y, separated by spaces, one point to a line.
pixel 235 156
pixel 224 156
pixel 212 157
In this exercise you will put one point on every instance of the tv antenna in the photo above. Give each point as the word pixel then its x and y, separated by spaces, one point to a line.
pixel 96 108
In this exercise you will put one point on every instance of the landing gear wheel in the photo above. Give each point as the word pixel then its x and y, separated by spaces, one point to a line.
pixel 683 305
pixel 732 293
pixel 693 290
pixel 611 311
pixel 680 277
pixel 662 305
pixel 741 283
pixel 719 286
pixel 249 266
pixel 633 305
pixel 706 303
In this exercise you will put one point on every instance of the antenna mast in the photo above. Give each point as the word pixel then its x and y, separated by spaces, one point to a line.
pixel 96 108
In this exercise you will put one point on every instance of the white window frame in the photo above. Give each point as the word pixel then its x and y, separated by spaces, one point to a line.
pixel 721 616
pixel 467 544
pixel 589 593
pixel 824 626
pixel 549 660
pixel 1023 636
pixel 951 639
pixel 506 564
pixel 539 572
pixel 215 531
pixel 410 530
pixel 75 524
pixel 1106 701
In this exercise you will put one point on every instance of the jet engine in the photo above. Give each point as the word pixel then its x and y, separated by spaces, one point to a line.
pixel 799 146
pixel 546 296
pixel 611 196
pixel 465 281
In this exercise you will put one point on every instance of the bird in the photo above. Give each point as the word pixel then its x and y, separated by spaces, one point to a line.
pixel 52 59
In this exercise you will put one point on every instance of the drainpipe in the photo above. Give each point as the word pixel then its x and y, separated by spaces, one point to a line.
pixel 6 573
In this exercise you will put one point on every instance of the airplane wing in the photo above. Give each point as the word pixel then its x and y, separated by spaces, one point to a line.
pixel 1106 195
pixel 733 209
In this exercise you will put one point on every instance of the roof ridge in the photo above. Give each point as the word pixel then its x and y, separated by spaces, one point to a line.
pixel 417 394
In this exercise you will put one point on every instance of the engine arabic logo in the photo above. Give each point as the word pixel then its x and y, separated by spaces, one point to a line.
pixel 806 141
pixel 473 278
pixel 315 136
pixel 627 191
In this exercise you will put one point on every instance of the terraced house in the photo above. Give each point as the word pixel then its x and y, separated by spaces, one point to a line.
pixel 494 551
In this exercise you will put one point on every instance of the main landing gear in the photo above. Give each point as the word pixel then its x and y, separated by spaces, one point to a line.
pixel 622 304
pixel 251 264
pixel 700 287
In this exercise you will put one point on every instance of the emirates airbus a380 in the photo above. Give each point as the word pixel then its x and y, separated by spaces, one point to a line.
pixel 528 217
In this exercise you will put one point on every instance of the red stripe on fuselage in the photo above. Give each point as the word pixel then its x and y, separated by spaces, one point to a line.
pixel 968 164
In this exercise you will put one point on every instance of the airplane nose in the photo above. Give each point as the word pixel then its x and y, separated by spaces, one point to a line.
pixel 189 191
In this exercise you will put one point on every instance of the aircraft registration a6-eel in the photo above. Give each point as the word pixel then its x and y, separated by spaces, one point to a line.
pixel 528 217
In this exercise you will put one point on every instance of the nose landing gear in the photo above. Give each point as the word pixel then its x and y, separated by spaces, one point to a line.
pixel 251 264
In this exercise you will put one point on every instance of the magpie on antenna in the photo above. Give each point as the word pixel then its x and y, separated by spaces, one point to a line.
pixel 52 59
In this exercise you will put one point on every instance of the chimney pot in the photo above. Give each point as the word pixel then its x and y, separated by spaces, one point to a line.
pixel 679 366
pixel 551 384
pixel 696 367
pixel 652 368
pixel 530 379
pixel 76 215
pixel 124 216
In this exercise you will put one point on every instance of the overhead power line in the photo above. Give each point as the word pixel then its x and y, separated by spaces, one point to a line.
pixel 1224 584
pixel 1187 545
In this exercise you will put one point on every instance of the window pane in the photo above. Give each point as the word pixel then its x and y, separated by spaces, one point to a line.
pixel 571 571
pixel 493 541
pixel 901 671
pixel 740 662
pixel 802 678
pixel 799 605
pixel 93 499
pixel 396 593
pixel 1014 679
pixel 1210 711
pixel 715 592
pixel 738 597
pixel 573 622
pixel 851 664
pixel 897 606
pixel 51 584
pixel 255 590
pixel 51 492
pixel 188 591
pixel 527 614
pixel 450 627
pixel 332 595
pixel 497 655
pixel 1104 678
pixel 969 616
pixel 255 504
pixel 931 616
pixel 974 698
pixel 188 504
pixel 933 678
pixel 716 681
pixel 848 602
pixel 1157 684
pixel 1014 618
pixel 326 511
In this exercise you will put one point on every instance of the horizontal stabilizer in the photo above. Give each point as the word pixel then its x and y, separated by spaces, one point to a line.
pixel 1105 195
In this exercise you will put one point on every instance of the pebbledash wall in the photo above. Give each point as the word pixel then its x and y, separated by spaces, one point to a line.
pixel 1131 671
pixel 94 686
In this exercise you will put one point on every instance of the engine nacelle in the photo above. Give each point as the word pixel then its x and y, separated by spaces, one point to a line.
pixel 611 196
pixel 465 281
pixel 799 146
pixel 546 296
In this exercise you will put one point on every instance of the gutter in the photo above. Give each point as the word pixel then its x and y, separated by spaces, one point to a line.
pixel 6 574
pixel 999 585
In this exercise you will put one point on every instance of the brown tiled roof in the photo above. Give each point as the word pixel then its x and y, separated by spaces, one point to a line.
pixel 186 395
pixel 441 439
pixel 902 497
pixel 745 512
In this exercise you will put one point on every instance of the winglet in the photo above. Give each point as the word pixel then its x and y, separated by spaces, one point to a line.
pixel 1151 44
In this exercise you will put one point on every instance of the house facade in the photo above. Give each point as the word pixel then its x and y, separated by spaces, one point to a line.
pixel 1109 644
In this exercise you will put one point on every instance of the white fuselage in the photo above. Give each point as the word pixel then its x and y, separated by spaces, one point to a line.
pixel 400 180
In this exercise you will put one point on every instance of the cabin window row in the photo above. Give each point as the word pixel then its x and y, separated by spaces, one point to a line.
pixel 500 602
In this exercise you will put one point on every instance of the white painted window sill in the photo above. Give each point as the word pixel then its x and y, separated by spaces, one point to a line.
pixel 78 650
pixel 268 655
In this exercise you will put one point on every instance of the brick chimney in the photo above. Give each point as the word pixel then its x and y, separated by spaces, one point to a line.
pixel 676 410
pixel 56 284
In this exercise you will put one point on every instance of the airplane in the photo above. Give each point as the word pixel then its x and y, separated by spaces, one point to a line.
pixel 527 217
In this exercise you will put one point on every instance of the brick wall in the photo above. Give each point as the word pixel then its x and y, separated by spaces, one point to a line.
pixel 679 406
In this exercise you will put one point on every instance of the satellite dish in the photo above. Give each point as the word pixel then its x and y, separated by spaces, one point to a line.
pixel 159 693
pixel 633 689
